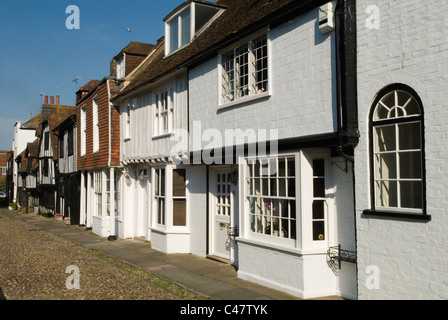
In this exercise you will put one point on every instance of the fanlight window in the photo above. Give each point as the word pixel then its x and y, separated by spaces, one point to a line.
pixel 397 162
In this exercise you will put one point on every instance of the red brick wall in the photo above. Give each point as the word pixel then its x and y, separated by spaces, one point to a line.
pixel 99 160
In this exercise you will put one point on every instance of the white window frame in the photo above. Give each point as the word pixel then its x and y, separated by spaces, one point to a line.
pixel 159 222
pixel 304 243
pixel 127 123
pixel 96 130
pixel 98 185
pixel 273 239
pixel 168 225
pixel 164 112
pixel 83 130
pixel 121 67
pixel 395 122
pixel 228 99
pixel 178 17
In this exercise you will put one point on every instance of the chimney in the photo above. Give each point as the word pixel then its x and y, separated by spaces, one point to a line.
pixel 52 99
pixel 57 100
pixel 46 99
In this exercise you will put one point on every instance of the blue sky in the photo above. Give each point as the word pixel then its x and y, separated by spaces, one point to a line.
pixel 38 54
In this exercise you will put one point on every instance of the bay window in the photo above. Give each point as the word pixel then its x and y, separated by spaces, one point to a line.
pixel 170 198
pixel 286 201
pixel 271 192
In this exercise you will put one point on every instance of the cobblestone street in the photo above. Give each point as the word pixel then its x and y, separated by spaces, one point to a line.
pixel 33 265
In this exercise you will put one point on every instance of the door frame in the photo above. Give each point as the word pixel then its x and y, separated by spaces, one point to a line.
pixel 212 181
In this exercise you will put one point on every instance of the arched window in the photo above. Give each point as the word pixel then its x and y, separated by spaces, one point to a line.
pixel 397 152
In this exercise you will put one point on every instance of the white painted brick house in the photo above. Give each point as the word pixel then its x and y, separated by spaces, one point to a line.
pixel 344 195
pixel 272 76
pixel 401 162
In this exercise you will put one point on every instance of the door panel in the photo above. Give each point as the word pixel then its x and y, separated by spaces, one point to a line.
pixel 221 212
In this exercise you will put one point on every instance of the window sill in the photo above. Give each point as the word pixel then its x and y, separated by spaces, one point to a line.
pixel 181 230
pixel 244 100
pixel 397 214
pixel 162 136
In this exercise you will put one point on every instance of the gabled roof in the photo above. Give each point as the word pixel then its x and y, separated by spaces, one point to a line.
pixel 137 48
pixel 33 123
pixel 60 114
pixel 240 19
pixel 33 149
pixel 89 85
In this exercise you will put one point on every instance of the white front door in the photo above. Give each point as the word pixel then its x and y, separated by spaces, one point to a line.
pixel 221 211
pixel 140 221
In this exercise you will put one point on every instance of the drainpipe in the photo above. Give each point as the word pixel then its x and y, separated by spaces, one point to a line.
pixel 346 52
pixel 347 90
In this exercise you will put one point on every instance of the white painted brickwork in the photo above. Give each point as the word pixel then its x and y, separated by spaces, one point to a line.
pixel 302 100
pixel 410 47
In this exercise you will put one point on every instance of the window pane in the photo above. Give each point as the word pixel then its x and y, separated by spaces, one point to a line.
pixel 291 167
pixel 318 230
pixel 242 70
pixel 179 212
pixel 162 182
pixel 291 187
pixel 409 136
pixel 319 187
pixel 186 32
pixel 174 34
pixel 385 138
pixel 179 183
pixel 386 166
pixel 412 108
pixel 386 194
pixel 318 209
pixel 282 187
pixel 411 194
pixel 319 168
pixel 281 167
pixel 410 165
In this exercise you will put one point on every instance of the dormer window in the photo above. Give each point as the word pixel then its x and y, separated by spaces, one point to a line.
pixel 121 67
pixel 187 21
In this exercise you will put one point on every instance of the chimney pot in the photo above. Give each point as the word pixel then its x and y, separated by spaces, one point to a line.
pixel 57 100
pixel 52 99
pixel 46 99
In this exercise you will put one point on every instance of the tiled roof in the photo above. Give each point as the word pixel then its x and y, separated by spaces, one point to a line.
pixel 137 48
pixel 59 115
pixel 33 123
pixel 89 85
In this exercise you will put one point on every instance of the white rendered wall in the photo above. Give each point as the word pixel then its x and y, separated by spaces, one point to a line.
pixel 410 47
pixel 302 83
pixel 197 201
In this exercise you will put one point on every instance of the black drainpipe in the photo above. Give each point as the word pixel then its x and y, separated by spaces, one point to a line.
pixel 348 130
pixel 346 52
